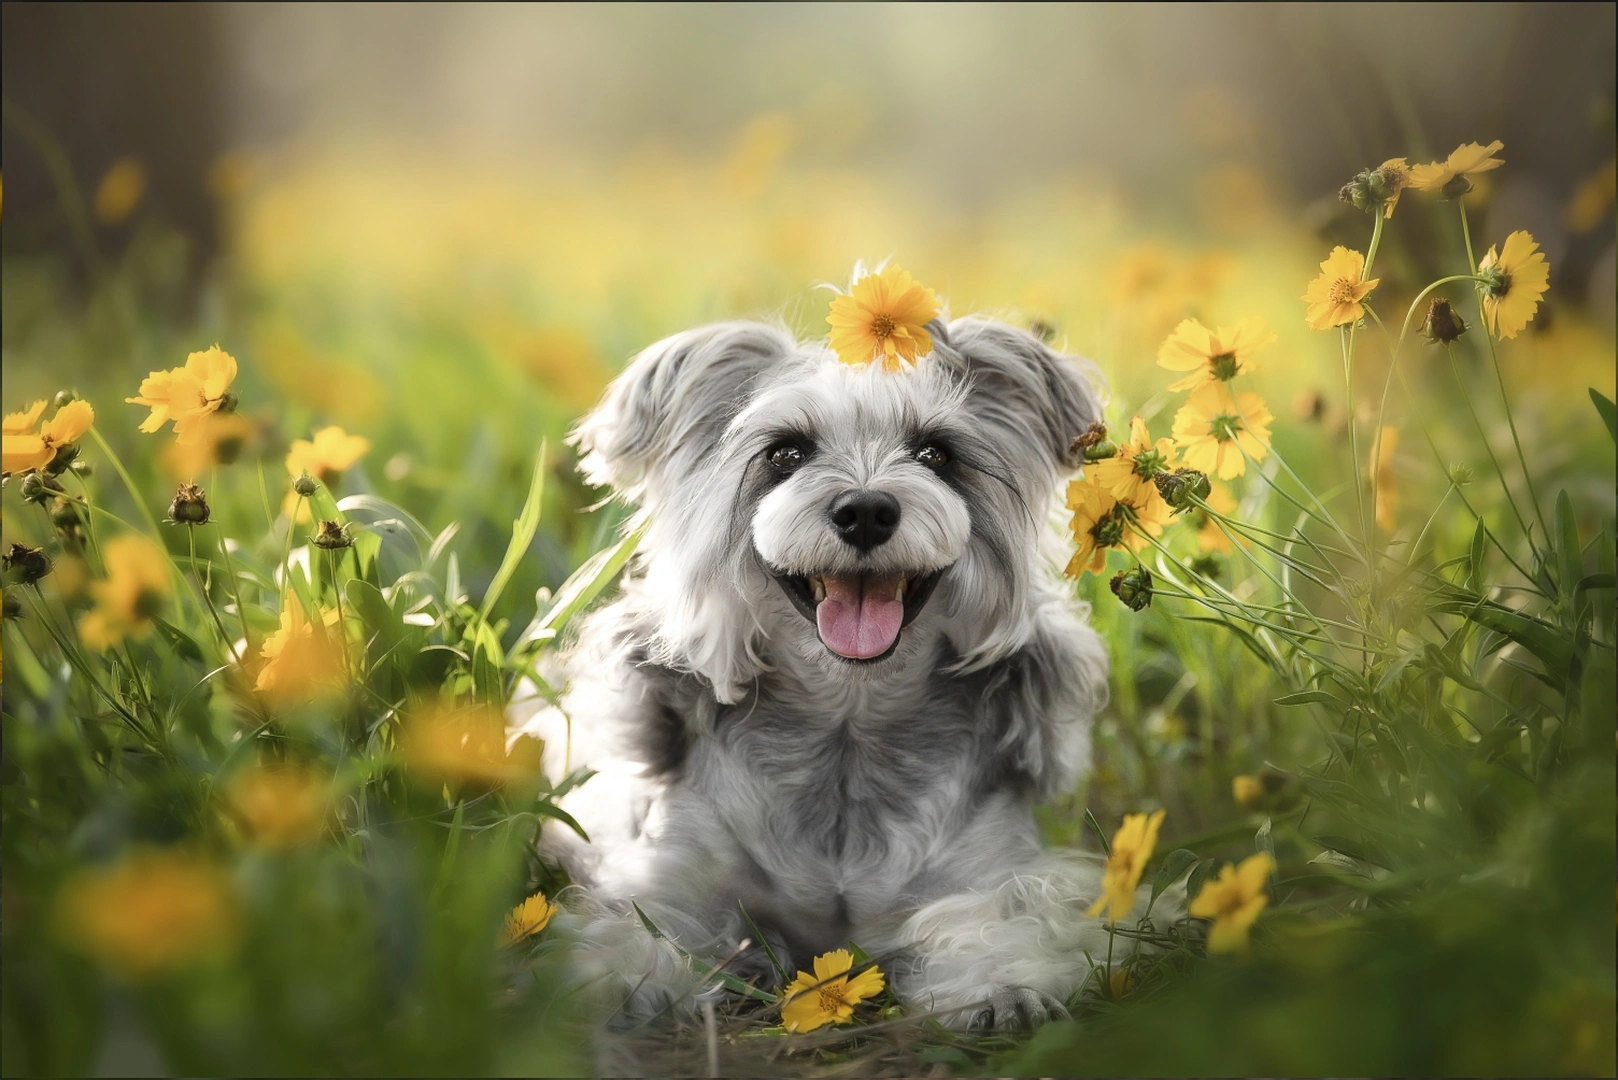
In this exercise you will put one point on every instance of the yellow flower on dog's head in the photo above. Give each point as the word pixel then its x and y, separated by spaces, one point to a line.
pixel 1212 355
pixel 1218 431
pixel 829 995
pixel 1334 298
pixel 883 318
pixel 1516 280
pixel 1467 160
pixel 1132 847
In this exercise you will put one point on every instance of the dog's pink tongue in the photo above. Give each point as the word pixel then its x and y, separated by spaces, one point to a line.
pixel 860 616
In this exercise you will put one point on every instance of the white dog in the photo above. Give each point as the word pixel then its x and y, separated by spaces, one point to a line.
pixel 841 673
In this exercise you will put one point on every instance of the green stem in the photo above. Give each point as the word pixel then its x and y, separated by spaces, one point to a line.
pixel 1522 522
pixel 207 600
pixel 235 590
pixel 1522 460
pixel 82 665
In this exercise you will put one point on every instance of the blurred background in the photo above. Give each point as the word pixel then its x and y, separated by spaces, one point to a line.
pixel 445 227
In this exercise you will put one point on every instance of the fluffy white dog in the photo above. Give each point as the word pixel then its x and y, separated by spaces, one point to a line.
pixel 840 675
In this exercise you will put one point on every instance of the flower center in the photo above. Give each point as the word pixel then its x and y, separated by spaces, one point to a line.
pixel 1225 426
pixel 830 999
pixel 1224 366
pixel 882 326
pixel 1342 291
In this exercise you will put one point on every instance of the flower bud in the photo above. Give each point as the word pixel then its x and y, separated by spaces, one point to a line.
pixel 1101 451
pixel 1376 191
pixel 1460 473
pixel 35 489
pixel 190 506
pixel 1093 444
pixel 1443 323
pixel 25 564
pixel 1180 487
pixel 64 515
pixel 65 397
pixel 332 536
pixel 81 467
pixel 1133 587
pixel 12 605
pixel 305 485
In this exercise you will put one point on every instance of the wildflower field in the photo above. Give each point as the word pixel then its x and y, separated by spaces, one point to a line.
pixel 284 531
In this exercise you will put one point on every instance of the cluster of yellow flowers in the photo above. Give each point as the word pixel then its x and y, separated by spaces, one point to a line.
pixel 26 448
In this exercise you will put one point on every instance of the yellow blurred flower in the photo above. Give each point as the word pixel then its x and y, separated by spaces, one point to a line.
pixel 1102 521
pixel 1233 902
pixel 1592 199
pixel 1212 356
pixel 1137 461
pixel 1465 161
pixel 305 658
pixel 528 918
pixel 151 912
pixel 1387 489
pixel 883 318
pixel 280 806
pixel 135 587
pixel 218 440
pixel 23 448
pixel 1515 279
pixel 1218 431
pixel 330 452
pixel 829 995
pixel 1132 848
pixel 188 395
pixel 1248 791
pixel 1334 298
pixel 230 174
pixel 467 745
pixel 120 191
pixel 1210 537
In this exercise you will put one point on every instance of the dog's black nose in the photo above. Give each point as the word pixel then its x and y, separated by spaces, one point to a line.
pixel 865 519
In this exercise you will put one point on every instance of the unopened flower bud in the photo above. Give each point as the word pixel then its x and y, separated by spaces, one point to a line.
pixel 25 564
pixel 332 536
pixel 1376 191
pixel 64 515
pixel 1101 451
pixel 34 488
pixel 65 397
pixel 1443 323
pixel 1180 487
pixel 12 605
pixel 305 485
pixel 1093 444
pixel 1206 566
pixel 1460 473
pixel 81 467
pixel 190 506
pixel 1133 587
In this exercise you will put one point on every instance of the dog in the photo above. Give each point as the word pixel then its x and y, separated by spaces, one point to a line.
pixel 841 672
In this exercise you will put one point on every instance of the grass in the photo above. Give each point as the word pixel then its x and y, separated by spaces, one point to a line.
pixel 1427 709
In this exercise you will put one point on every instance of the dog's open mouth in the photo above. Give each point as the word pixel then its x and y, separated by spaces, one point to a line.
pixel 859 616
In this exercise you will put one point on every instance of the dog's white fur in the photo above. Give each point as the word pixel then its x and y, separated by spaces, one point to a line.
pixel 740 762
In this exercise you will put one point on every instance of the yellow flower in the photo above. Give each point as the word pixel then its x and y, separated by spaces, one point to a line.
pixel 1132 847
pixel 120 191
pixel 1334 297
pixel 829 995
pixel 153 911
pixel 1124 475
pixel 1212 356
pixel 1387 491
pixel 1233 902
pixel 1248 791
pixel 1516 279
pixel 1218 431
pixel 280 807
pixel 1210 537
pixel 23 448
pixel 883 317
pixel 304 659
pixel 187 395
pixel 1592 199
pixel 218 441
pixel 1467 160
pixel 330 452
pixel 528 918
pixel 468 746
pixel 1102 521
pixel 136 584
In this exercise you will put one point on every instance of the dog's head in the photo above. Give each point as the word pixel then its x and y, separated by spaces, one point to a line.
pixel 850 515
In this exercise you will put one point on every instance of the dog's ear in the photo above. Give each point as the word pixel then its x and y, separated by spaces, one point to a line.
pixel 669 408
pixel 1036 399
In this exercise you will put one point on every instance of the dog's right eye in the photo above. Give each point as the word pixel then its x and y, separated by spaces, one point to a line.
pixel 786 456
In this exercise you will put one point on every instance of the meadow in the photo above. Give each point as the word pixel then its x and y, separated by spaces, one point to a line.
pixel 258 811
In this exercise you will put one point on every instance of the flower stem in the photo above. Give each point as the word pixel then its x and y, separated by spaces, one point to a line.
pixel 1483 434
pixel 219 624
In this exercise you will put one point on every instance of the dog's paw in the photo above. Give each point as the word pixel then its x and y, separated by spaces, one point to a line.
pixel 1017 1008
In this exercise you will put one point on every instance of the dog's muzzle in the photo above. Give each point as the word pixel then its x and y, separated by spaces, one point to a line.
pixel 859 616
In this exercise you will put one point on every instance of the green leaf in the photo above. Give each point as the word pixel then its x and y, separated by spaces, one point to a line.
pixel 487 660
pixel 1263 841
pixel 522 535
pixel 182 642
pixel 769 953
pixel 585 583
pixel 1474 559
pixel 1199 874
pixel 1175 863
pixel 1609 412
pixel 1309 697
pixel 1090 819
pixel 1569 555
pixel 546 808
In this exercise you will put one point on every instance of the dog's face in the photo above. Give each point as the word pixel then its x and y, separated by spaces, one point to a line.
pixel 851 515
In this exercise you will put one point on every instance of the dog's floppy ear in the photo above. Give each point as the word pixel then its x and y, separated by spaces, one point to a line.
pixel 669 408
pixel 1037 399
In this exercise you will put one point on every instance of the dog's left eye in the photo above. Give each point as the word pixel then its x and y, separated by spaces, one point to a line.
pixel 933 456
pixel 786 456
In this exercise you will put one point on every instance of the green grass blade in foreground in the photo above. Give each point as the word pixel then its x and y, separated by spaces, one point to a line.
pixel 522 535
pixel 586 583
